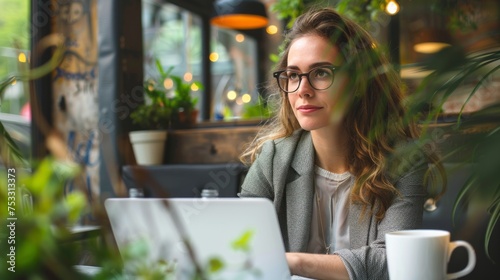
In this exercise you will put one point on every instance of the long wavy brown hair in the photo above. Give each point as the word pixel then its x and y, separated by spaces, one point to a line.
pixel 376 120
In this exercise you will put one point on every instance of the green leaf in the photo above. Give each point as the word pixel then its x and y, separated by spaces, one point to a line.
pixel 75 202
pixel 41 178
pixel 215 264
pixel 495 215
pixel 468 185
pixel 162 72
pixel 65 170
pixel 199 85
pixel 243 242
pixel 11 144
pixel 274 58
pixel 478 85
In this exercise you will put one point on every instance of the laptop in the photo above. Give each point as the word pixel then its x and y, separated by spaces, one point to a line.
pixel 241 235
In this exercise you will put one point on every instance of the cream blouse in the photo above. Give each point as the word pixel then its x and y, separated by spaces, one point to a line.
pixel 329 226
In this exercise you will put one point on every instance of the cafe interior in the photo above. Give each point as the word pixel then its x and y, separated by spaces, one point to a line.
pixel 193 74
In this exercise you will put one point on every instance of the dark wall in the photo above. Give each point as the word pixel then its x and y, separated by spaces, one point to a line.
pixel 120 85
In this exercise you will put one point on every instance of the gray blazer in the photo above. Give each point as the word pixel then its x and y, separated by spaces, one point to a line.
pixel 284 173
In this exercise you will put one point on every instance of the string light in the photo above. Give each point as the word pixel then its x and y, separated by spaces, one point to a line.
pixel 22 57
pixel 231 95
pixel 272 29
pixel 168 83
pixel 392 7
pixel 239 101
pixel 246 98
pixel 213 57
pixel 188 77
pixel 239 38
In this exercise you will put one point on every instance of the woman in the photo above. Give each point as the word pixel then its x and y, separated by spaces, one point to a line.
pixel 324 159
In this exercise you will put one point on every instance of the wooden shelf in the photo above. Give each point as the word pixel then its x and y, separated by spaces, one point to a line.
pixel 208 145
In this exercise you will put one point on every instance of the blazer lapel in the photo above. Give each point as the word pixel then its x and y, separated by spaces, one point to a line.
pixel 299 194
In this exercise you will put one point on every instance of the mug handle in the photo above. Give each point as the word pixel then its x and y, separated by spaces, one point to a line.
pixel 472 258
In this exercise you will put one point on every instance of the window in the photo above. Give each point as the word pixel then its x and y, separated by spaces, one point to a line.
pixel 14 54
pixel 234 73
pixel 173 36
pixel 15 113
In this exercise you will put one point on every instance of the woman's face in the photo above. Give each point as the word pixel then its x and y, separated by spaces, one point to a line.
pixel 315 109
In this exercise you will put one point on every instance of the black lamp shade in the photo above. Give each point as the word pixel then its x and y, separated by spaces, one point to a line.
pixel 239 14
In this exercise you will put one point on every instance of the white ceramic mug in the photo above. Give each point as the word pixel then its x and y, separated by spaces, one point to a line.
pixel 424 254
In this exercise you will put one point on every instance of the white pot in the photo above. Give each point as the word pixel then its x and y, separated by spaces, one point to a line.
pixel 149 146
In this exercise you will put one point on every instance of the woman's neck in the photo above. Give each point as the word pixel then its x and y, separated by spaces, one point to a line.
pixel 330 145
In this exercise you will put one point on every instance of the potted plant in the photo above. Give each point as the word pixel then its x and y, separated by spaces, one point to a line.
pixel 153 119
pixel 184 111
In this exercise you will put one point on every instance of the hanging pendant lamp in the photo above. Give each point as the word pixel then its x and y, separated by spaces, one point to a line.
pixel 431 40
pixel 239 14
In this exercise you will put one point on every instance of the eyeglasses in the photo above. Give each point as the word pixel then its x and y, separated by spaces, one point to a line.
pixel 319 78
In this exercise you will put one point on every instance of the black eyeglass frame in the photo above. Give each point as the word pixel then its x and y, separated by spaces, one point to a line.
pixel 306 74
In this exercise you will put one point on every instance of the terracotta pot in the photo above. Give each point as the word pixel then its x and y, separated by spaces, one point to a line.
pixel 187 119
